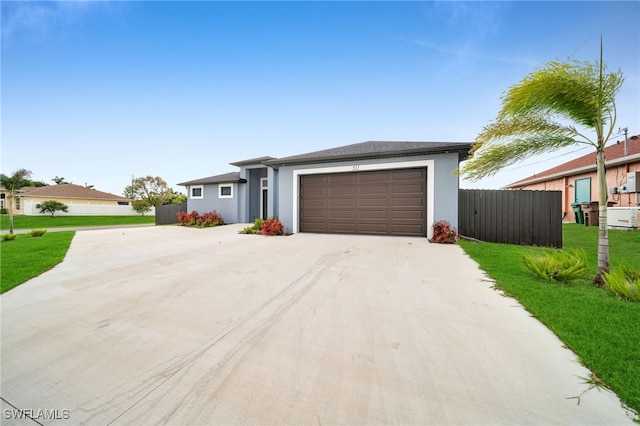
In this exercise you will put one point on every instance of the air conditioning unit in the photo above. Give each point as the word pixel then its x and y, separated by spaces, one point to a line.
pixel 632 184
pixel 622 217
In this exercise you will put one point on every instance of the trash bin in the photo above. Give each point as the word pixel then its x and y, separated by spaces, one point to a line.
pixel 577 213
pixel 590 211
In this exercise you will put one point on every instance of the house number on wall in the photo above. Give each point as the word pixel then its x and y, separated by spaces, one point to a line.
pixel 356 167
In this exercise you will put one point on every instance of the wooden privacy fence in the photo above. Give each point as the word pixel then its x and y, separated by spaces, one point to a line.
pixel 513 217
pixel 168 213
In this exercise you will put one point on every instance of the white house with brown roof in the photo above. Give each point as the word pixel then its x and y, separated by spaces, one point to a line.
pixel 81 201
pixel 577 179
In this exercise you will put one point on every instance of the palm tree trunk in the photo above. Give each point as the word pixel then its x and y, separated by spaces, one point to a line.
pixel 603 233
pixel 10 214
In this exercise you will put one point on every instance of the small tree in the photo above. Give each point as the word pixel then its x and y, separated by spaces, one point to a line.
pixel 541 114
pixel 52 206
pixel 152 189
pixel 141 206
pixel 12 184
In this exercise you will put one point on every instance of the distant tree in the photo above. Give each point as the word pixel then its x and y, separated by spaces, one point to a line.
pixel 154 190
pixel 176 197
pixel 59 180
pixel 13 184
pixel 52 206
pixel 540 114
pixel 141 206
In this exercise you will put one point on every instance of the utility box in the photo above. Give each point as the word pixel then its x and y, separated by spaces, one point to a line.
pixel 632 184
pixel 622 217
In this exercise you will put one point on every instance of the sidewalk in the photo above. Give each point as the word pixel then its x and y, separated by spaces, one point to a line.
pixel 77 228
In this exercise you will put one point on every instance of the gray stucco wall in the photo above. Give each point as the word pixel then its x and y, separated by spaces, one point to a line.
pixel 444 191
pixel 227 207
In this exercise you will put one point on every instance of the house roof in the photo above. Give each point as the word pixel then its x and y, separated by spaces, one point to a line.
pixel 614 154
pixel 224 178
pixel 374 149
pixel 69 190
pixel 257 160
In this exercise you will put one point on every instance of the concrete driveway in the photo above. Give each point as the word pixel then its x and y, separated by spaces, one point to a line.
pixel 205 326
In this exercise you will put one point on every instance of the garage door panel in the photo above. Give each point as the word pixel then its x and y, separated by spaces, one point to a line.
pixel 341 203
pixel 339 227
pixel 406 202
pixel 382 202
pixel 373 189
pixel 373 202
pixel 373 177
pixel 314 215
pixel 407 214
pixel 372 214
pixel 337 191
pixel 315 203
pixel 341 214
pixel 341 178
pixel 417 174
pixel 415 188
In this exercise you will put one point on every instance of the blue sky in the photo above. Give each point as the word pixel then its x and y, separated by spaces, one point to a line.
pixel 96 92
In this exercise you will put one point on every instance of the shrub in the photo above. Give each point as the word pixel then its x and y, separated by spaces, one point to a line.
pixel 3 210
pixel 9 237
pixel 52 206
pixel 37 232
pixel 558 265
pixel 444 233
pixel 256 228
pixel 141 206
pixel 212 218
pixel 624 283
pixel 272 226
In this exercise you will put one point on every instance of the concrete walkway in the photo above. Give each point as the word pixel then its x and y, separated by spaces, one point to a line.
pixel 171 325
pixel 78 228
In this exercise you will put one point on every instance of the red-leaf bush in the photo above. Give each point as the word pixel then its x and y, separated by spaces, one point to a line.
pixel 272 226
pixel 212 218
pixel 444 233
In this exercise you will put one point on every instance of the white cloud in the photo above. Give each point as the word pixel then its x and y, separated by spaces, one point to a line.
pixel 37 19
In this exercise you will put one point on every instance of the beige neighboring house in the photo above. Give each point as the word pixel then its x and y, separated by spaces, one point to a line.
pixel 82 201
pixel 577 179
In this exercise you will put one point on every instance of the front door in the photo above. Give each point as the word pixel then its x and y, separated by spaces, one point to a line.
pixel 264 197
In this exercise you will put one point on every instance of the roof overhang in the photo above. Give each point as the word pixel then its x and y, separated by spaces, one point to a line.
pixel 462 149
pixel 573 172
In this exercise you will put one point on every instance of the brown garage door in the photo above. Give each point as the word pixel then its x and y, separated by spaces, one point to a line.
pixel 384 202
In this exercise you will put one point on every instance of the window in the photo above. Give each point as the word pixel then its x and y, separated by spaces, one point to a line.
pixel 123 203
pixel 17 203
pixel 196 192
pixel 226 190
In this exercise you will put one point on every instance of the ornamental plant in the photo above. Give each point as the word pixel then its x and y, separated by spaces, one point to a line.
pixel 37 232
pixel 272 226
pixel 624 283
pixel 212 218
pixel 444 233
pixel 558 265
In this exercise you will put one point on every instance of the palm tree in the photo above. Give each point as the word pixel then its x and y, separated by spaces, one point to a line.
pixel 542 113
pixel 12 184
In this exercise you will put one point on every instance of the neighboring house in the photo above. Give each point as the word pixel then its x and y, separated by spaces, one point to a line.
pixel 577 179
pixel 384 188
pixel 80 200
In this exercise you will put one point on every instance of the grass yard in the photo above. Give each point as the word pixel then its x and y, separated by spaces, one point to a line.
pixel 27 257
pixel 602 330
pixel 37 222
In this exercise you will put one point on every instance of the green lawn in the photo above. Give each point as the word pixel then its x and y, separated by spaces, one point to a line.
pixel 36 222
pixel 27 257
pixel 601 329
